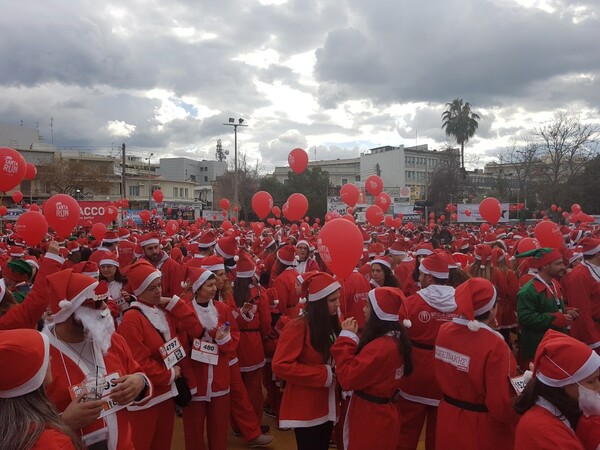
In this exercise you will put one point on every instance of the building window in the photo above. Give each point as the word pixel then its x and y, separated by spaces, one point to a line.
pixel 193 178
pixel 134 191
pixel 205 179
pixel 344 181
pixel 175 192
pixel 357 178
pixel 186 193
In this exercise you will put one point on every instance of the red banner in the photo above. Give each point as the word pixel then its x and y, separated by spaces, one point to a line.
pixel 93 211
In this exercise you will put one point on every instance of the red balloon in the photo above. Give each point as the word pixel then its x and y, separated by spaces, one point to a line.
pixel 432 215
pixel 388 221
pixel 172 227
pixel 17 196
pixel 243 223
pixel 30 171
pixel 490 210
pixel 32 227
pixel 153 211
pixel 559 209
pixel 276 211
pixel 318 220
pixel 484 227
pixel 236 208
pixel 262 203
pixel 125 203
pixel 526 244
pixel 297 206
pixel 98 231
pixel 374 185
pixel 350 211
pixel 397 222
pixel 410 225
pixel 565 214
pixel 224 213
pixel 298 160
pixel 3 210
pixel 384 201
pixel 348 217
pixel 553 207
pixel 548 234
pixel 158 196
pixel 340 246
pixel 226 225
pixel 145 215
pixel 328 217
pixel 374 215
pixel 62 213
pixel 224 203
pixel 110 213
pixel 169 210
pixel 349 194
pixel 442 217
pixel 12 168
pixel 575 208
pixel 453 216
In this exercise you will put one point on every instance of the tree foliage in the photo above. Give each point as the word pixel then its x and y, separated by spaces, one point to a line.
pixel 66 176
pixel 461 123
pixel 447 183
pixel 313 183
pixel 247 186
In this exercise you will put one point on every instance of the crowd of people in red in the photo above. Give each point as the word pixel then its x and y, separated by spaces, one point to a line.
pixel 484 340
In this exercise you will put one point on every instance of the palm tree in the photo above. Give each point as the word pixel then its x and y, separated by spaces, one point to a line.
pixel 460 123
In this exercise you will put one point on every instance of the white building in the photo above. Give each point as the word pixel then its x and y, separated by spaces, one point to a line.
pixel 341 171
pixel 187 169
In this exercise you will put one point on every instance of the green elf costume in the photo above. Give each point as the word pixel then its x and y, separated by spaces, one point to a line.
pixel 540 305
pixel 19 272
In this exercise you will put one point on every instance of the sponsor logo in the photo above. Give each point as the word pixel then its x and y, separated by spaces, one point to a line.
pixel 424 316
pixel 458 360
pixel 62 211
pixel 10 166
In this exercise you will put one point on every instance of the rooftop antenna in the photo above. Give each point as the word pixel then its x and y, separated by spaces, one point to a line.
pixel 52 129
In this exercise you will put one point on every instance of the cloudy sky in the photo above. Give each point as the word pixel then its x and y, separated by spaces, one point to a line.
pixel 341 76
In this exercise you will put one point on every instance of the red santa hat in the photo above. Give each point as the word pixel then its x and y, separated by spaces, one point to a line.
pixel 214 263
pixel 208 239
pixel 475 297
pixel 575 236
pixel 110 238
pixel 149 239
pixel 16 252
pixel 140 274
pixel 424 249
pixel 123 233
pixel 561 360
pixel 385 302
pixel 287 255
pixel 227 246
pixel 590 246
pixel 109 259
pixel 399 248
pixel 268 242
pixel 195 277
pixel 483 254
pixel 383 260
pixel 574 254
pixel 73 246
pixel 89 268
pixel 498 254
pixel 32 261
pixel 68 291
pixel 541 256
pixel 436 266
pixel 138 251
pixel 27 353
pixel 245 267
pixel 317 286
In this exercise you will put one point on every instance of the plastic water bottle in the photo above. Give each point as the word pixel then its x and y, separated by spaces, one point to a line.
pixel 225 327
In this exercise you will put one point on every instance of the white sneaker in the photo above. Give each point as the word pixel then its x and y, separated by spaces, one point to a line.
pixel 261 441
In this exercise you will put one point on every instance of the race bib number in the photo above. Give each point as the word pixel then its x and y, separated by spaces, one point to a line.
pixel 109 406
pixel 172 352
pixel 518 384
pixel 122 304
pixel 205 352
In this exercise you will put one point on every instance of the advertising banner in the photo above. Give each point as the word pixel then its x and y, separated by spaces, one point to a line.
pixel 93 211
pixel 470 213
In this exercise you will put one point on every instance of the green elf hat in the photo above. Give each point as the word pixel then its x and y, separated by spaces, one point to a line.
pixel 541 256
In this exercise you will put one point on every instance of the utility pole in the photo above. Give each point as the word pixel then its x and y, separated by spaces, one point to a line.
pixel 123 183
pixel 232 123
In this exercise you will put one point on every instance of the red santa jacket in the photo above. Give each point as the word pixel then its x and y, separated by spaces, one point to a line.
pixel 52 439
pixel 541 428
pixel 507 286
pixel 583 285
pixel 68 370
pixel 140 328
pixel 474 367
pixel 588 431
pixel 210 380
pixel 375 371
pixel 28 313
pixel 253 326
pixel 427 310
pixel 285 285
pixel 404 271
pixel 309 398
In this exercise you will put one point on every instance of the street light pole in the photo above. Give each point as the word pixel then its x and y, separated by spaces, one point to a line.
pixel 149 182
pixel 232 123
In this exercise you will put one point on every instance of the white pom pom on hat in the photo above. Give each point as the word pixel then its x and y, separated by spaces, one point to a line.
pixel 473 325
pixel 407 323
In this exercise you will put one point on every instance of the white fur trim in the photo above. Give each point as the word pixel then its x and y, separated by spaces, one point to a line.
pixel 302 300
pixel 407 323
pixel 592 251
pixel 329 379
pixel 236 258
pixel 383 262
pixel 349 334
pixel 66 310
pixel 34 382
pixel 489 305
pixel 329 289
pixel 214 267
pixel 440 275
pixel 2 289
pixel 248 274
pixel 423 251
pixel 201 280
pixel 150 241
pixel 108 262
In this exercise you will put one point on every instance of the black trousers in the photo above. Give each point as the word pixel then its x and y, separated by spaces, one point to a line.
pixel 314 438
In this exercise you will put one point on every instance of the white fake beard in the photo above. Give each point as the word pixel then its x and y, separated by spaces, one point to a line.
pixel 589 401
pixel 98 328
pixel 208 316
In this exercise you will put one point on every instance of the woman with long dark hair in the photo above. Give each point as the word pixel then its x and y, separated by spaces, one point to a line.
pixel 28 420
pixel 303 360
pixel 381 273
pixel 109 270
pixel 565 381
pixel 372 368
